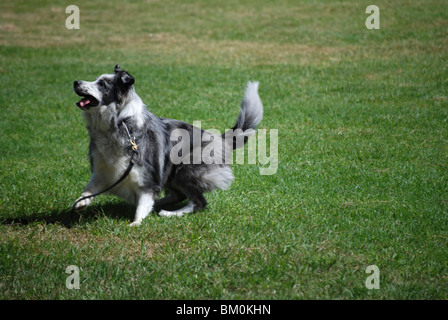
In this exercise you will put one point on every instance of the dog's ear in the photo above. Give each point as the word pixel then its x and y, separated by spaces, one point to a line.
pixel 117 68
pixel 127 79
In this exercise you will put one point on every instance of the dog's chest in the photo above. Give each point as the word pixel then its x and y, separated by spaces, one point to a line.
pixel 108 148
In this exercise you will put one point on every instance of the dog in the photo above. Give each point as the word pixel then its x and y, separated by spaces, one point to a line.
pixel 116 116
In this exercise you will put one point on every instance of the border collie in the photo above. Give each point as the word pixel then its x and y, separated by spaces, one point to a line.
pixel 115 113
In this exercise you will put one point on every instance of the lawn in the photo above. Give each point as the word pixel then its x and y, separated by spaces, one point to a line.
pixel 362 120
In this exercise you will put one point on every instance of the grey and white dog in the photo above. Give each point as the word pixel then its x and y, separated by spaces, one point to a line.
pixel 114 112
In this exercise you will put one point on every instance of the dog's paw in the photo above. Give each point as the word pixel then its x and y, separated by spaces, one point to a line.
pixel 135 224
pixel 164 213
pixel 80 205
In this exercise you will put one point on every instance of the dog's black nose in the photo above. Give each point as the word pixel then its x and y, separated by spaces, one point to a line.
pixel 76 83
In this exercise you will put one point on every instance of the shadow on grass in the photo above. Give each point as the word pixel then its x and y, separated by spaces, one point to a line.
pixel 69 218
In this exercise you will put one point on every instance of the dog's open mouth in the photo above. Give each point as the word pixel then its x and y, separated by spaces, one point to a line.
pixel 87 102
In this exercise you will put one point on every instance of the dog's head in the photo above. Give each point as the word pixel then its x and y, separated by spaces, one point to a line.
pixel 106 89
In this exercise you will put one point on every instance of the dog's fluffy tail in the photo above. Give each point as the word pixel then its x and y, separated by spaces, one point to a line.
pixel 250 116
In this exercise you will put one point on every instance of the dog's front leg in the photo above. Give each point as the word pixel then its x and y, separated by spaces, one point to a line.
pixel 92 187
pixel 145 205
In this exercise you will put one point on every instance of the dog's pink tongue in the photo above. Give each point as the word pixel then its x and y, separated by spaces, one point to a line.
pixel 84 102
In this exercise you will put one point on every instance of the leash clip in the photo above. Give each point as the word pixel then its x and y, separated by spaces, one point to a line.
pixel 134 145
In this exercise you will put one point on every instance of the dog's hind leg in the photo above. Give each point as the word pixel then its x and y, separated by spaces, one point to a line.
pixel 173 197
pixel 197 202
pixel 189 208
pixel 198 199
pixel 145 205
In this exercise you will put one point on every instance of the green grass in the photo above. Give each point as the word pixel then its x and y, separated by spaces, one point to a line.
pixel 363 148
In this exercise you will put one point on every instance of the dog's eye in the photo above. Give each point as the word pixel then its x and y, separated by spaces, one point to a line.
pixel 101 83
